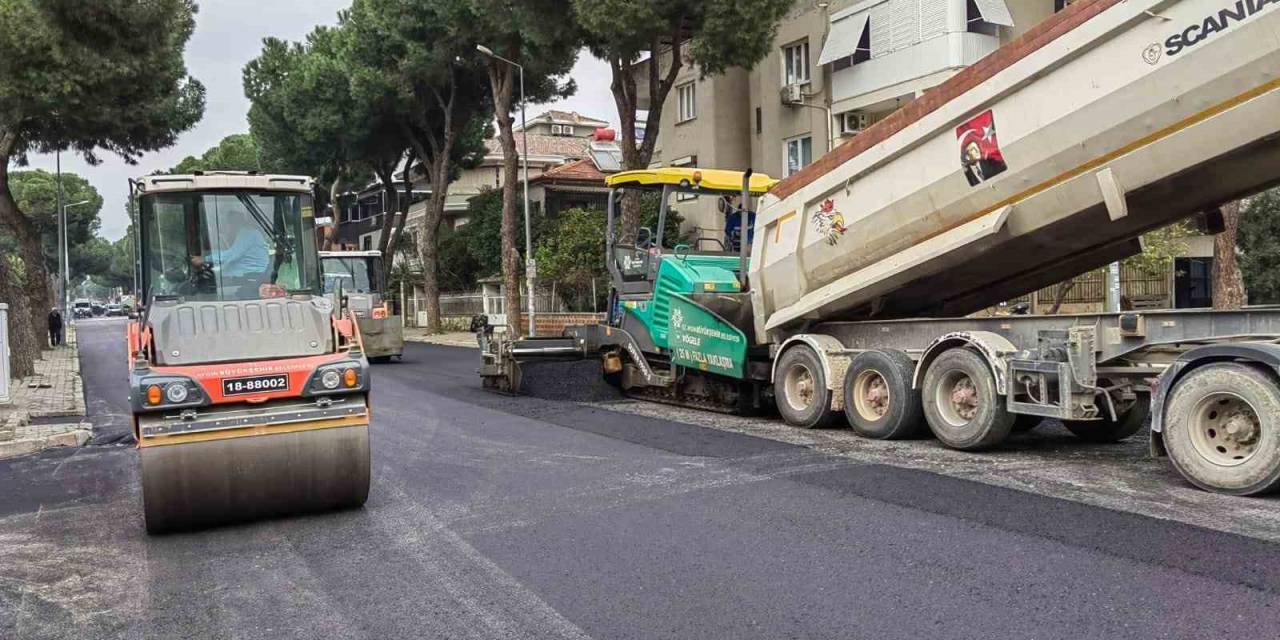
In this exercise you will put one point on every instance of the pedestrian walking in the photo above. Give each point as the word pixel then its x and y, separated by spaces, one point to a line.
pixel 55 327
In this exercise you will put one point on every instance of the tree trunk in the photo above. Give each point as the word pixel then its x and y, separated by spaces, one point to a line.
pixel 22 348
pixel 1061 294
pixel 1228 283
pixel 30 302
pixel 639 154
pixel 391 244
pixel 501 80
pixel 429 255
pixel 331 231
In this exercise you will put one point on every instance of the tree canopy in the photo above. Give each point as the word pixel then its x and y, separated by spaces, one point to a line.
pixel 638 38
pixel 36 193
pixel 236 152
pixel 88 77
pixel 107 75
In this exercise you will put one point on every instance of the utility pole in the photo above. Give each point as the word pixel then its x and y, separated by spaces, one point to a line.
pixel 62 234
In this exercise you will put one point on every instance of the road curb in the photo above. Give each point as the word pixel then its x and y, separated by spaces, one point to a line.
pixel 77 437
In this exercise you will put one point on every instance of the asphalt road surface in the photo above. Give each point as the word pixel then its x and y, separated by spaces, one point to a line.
pixel 501 517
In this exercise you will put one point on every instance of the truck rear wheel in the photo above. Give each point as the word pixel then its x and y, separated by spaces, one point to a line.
pixel 800 386
pixel 961 403
pixel 1108 430
pixel 1222 429
pixel 878 398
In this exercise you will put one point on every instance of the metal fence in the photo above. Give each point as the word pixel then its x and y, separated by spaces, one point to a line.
pixel 463 305
pixel 1135 283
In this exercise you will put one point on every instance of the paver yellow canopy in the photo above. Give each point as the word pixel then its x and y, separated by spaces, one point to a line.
pixel 249 392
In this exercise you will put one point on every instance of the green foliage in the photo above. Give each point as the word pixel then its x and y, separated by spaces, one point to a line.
pixel 415 68
pixel 1259 243
pixel 1161 246
pixel 237 152
pixel 541 35
pixel 725 33
pixel 36 193
pixel 107 74
pixel 573 257
pixel 302 110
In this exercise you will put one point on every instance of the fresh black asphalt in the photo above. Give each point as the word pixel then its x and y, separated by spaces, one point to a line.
pixel 520 517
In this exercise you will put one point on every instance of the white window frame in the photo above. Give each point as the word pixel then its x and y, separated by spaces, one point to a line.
pixel 686 102
pixel 796 67
pixel 567 129
pixel 786 153
pixel 556 129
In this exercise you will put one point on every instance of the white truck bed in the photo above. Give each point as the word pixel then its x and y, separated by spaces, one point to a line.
pixel 1110 119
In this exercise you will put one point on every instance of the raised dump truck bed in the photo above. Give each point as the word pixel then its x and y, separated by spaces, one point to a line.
pixel 1043 160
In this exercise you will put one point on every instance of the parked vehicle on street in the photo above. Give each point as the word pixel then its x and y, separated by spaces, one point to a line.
pixel 249 393
pixel 851 302
pixel 82 308
pixel 356 276
pixel 115 311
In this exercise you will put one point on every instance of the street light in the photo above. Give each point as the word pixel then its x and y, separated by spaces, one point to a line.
pixel 66 260
pixel 529 266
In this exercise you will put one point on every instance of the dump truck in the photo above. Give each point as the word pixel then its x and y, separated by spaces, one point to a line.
pixel 1049 158
pixel 356 276
pixel 249 389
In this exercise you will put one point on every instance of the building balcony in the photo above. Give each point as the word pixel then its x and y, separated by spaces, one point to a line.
pixel 908 70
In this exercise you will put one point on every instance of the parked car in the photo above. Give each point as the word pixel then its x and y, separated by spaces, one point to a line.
pixel 81 309
pixel 114 310
pixel 99 309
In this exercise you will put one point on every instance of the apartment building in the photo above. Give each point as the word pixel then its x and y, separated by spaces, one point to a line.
pixel 562 123
pixel 835 68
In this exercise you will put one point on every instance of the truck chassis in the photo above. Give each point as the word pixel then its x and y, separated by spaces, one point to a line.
pixel 1101 374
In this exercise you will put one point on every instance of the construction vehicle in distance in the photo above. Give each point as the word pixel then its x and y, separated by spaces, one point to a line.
pixel 357 277
pixel 1113 119
pixel 249 392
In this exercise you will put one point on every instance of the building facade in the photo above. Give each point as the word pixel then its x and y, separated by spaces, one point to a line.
pixel 835 68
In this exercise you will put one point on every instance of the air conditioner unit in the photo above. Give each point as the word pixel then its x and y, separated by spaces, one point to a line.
pixel 792 94
pixel 852 123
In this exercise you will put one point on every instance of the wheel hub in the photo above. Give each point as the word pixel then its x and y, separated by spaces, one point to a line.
pixel 1226 429
pixel 964 398
pixel 800 387
pixel 871 395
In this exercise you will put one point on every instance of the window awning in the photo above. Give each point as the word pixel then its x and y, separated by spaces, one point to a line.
pixel 995 12
pixel 845 35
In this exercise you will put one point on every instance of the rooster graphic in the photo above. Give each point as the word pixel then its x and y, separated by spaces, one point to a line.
pixel 829 222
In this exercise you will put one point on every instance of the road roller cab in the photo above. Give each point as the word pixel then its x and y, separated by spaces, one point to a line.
pixel 249 393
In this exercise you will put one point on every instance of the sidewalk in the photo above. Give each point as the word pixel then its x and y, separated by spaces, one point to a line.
pixel 450 339
pixel 54 391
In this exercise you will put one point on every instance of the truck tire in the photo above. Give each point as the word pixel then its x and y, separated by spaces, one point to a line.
pixel 800 386
pixel 878 398
pixel 1108 430
pixel 1222 429
pixel 961 403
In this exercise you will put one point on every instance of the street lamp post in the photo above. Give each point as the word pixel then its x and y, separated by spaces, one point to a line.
pixel 66 260
pixel 530 268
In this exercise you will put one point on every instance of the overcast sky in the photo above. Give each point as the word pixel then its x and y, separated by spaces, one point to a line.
pixel 228 34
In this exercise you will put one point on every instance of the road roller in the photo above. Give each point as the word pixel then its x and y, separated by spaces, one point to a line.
pixel 356 276
pixel 249 387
